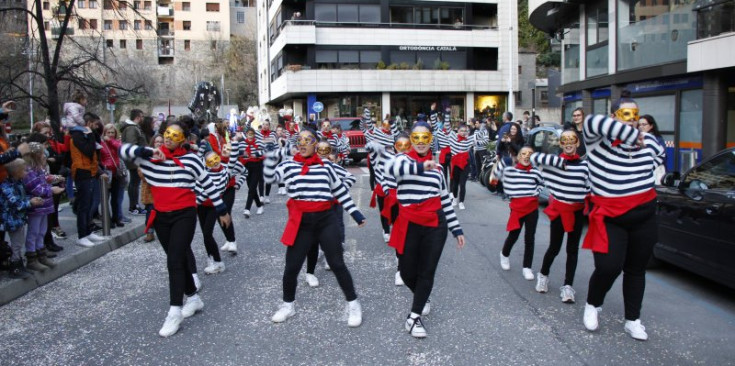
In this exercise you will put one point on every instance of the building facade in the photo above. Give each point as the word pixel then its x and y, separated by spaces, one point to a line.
pixel 677 57
pixel 395 57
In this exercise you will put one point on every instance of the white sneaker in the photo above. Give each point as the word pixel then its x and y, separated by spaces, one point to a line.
pixel 285 311
pixel 326 265
pixel 197 282
pixel 85 242
pixel 504 262
pixel 282 191
pixel 590 317
pixel 259 211
pixel 636 330
pixel 567 294
pixel 191 306
pixel 262 198
pixel 461 206
pixel 454 202
pixel 312 280
pixel 231 247
pixel 542 284
pixel 267 200
pixel 528 274
pixel 354 314
pixel 386 237
pixel 172 323
pixel 415 327
pixel 225 247
pixel 97 238
pixel 399 279
pixel 427 308
pixel 215 267
pixel 246 213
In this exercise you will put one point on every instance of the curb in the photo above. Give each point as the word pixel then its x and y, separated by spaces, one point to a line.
pixel 17 288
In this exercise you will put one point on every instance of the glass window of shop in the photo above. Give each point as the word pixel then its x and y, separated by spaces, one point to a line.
pixel 492 105
pixel 597 34
pixel 690 124
pixel 652 32
pixel 571 54
pixel 349 105
pixel 663 109
pixel 600 106
pixel 405 107
pixel 569 107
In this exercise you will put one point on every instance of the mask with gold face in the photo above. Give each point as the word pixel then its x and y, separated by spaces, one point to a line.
pixel 323 149
pixel 306 139
pixel 627 114
pixel 419 138
pixel 212 160
pixel 525 154
pixel 568 139
pixel 176 136
pixel 402 145
pixel 386 125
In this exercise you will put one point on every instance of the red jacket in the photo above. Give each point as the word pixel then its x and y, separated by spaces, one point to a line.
pixel 109 155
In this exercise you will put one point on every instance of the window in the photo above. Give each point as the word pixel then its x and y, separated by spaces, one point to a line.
pixel 325 12
pixel 138 44
pixel 81 4
pixel 107 4
pixel 347 13
pixel 148 25
pixel 136 5
pixel 46 5
pixel 82 24
pixel 123 43
pixel 213 45
pixel 107 25
pixel 718 173
pixel 187 25
pixel 212 7
pixel 597 34
pixel 92 23
pixel 122 24
pixel 241 17
pixel 187 45
pixel 93 4
pixel 369 13
pixel 146 5
pixel 46 25
pixel 122 5
pixel 213 26
pixel 109 43
pixel 186 6
pixel 136 25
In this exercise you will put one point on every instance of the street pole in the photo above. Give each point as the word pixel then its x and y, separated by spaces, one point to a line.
pixel 30 81
pixel 511 99
pixel 533 107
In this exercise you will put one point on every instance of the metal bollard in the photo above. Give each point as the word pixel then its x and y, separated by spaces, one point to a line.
pixel 105 193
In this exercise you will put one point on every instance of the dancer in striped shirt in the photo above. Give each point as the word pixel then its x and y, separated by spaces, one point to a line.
pixel 312 187
pixel 425 214
pixel 522 183
pixel 389 211
pixel 566 177
pixel 460 144
pixel 622 228
pixel 253 160
pixel 443 140
pixel 379 136
pixel 264 135
pixel 172 172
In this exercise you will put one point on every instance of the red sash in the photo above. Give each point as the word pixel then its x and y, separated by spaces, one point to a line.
pixel 460 160
pixel 423 213
pixel 377 192
pixel 390 200
pixel 558 208
pixel 296 209
pixel 596 238
pixel 520 207
pixel 167 199
pixel 443 154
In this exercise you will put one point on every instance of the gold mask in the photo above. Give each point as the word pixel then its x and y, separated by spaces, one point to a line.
pixel 386 125
pixel 212 160
pixel 324 149
pixel 525 154
pixel 174 135
pixel 418 138
pixel 568 139
pixel 627 114
pixel 306 140
pixel 402 145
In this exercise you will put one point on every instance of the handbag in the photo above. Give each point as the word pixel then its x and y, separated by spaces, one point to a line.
pixel 119 173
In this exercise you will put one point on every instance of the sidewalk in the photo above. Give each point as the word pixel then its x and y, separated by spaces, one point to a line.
pixel 73 256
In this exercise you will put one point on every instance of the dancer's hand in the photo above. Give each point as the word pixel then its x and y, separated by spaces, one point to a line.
pixel 158 155
pixel 362 223
pixel 460 242
pixel 225 220
pixel 429 165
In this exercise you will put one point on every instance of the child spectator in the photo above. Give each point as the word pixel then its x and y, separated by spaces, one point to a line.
pixel 74 110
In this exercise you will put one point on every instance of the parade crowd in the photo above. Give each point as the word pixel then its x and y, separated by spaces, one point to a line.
pixel 180 172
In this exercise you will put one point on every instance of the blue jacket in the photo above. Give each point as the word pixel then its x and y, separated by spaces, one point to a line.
pixel 13 205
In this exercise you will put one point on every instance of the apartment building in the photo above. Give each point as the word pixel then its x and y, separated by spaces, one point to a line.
pixel 395 57
pixel 675 56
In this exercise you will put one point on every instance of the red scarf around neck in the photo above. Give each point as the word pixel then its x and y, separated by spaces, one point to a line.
pixel 327 135
pixel 569 157
pixel 616 142
pixel 461 138
pixel 527 168
pixel 173 155
pixel 311 160
pixel 266 133
pixel 419 159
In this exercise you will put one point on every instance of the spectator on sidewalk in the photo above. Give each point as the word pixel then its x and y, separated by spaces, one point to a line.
pixel 133 134
pixel 56 159
pixel 111 163
pixel 74 111
pixel 148 128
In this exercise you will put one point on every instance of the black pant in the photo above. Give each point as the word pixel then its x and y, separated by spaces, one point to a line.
pixel 175 231
pixel 479 154
pixel 631 238
pixel 115 191
pixel 83 203
pixel 313 254
pixel 322 228
pixel 207 218
pixel 446 166
pixel 267 189
pixel 133 188
pixel 261 182
pixel 530 221
pixel 459 182
pixel 383 220
pixel 555 240
pixel 229 198
pixel 424 246
pixel 255 172
pixel 372 174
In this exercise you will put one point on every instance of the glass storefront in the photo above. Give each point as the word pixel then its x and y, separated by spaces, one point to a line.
pixel 571 55
pixel 569 107
pixel 405 107
pixel 349 105
pixel 652 32
pixel 601 106
pixel 492 105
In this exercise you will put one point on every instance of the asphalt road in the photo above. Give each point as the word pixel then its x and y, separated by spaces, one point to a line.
pixel 109 312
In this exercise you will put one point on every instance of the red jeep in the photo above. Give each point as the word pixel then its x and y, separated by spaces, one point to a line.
pixel 351 128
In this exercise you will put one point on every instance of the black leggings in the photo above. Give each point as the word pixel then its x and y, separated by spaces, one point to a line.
pixel 459 182
pixel 320 227
pixel 555 240
pixel 424 246
pixel 372 174
pixel 261 182
pixel 446 166
pixel 383 220
pixel 255 172
pixel 530 221
pixel 207 218
pixel 175 231
pixel 229 198
pixel 631 238
pixel 313 254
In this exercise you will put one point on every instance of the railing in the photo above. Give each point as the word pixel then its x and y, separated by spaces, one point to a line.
pixel 715 17
pixel 165 33
pixel 166 51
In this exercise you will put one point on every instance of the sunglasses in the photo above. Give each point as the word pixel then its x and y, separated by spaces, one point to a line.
pixel 402 146
pixel 174 135
pixel 421 138
pixel 627 114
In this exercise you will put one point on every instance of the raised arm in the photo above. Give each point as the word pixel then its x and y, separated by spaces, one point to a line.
pixel 597 127
pixel 541 159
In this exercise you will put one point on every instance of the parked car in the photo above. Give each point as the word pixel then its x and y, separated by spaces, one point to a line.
pixel 545 139
pixel 696 219
pixel 351 128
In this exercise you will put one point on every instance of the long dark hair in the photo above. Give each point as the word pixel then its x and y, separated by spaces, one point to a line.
pixel 654 126
pixel 518 139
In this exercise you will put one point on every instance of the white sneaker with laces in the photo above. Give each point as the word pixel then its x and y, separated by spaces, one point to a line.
pixel 354 314
pixel 590 318
pixel 416 327
pixel 246 213
pixel 215 267
pixel 259 211
pixel 267 200
pixel 312 280
pixel 191 306
pixel 427 308
pixel 504 262
pixel 97 238
pixel 285 311
pixel 636 330
pixel 461 206
pixel 528 274
pixel 85 242
pixel 542 284
pixel 386 237
pixel 172 322
pixel 567 294
pixel 399 279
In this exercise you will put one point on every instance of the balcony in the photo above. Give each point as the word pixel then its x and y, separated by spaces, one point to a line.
pixel 56 32
pixel 165 49
pixel 551 16
pixel 165 12
pixel 165 33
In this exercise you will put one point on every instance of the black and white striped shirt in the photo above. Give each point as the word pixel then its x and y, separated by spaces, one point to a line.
pixel 220 179
pixel 348 179
pixel 519 183
pixel 570 185
pixel 622 170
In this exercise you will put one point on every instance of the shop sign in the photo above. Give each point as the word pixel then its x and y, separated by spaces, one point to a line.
pixel 428 48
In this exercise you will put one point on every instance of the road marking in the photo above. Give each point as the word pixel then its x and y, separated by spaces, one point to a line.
pixel 365 170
